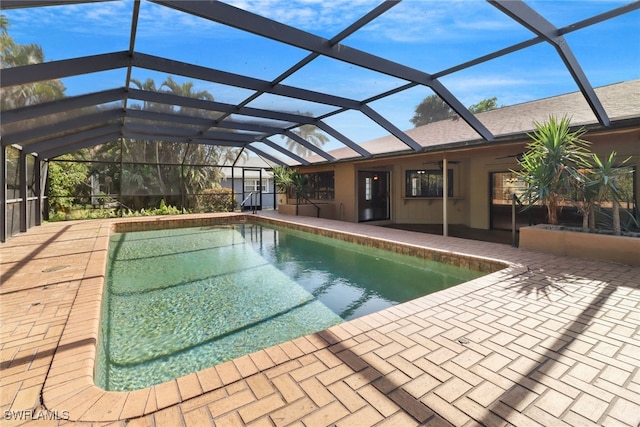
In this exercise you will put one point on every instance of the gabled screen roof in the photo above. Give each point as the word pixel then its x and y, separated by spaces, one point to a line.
pixel 293 81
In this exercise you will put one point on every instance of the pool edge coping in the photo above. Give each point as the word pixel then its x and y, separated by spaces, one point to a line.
pixel 72 373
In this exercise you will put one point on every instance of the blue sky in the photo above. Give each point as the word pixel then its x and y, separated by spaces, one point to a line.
pixel 428 35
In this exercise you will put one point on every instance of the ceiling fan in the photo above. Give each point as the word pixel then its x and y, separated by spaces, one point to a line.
pixel 518 156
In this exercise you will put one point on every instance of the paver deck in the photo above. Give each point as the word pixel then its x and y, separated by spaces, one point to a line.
pixel 551 341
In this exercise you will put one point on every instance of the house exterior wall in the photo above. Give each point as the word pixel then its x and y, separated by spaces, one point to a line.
pixel 409 210
pixel 345 181
pixel 342 206
pixel 470 204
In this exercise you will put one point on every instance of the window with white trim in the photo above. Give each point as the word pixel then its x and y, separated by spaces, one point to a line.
pixel 255 185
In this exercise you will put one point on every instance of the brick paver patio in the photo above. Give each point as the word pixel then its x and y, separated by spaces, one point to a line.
pixel 549 341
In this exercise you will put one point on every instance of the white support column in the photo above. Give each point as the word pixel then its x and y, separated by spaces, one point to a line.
pixel 445 194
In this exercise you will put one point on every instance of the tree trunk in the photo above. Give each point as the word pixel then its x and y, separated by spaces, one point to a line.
pixel 552 211
pixel 160 180
pixel 615 212
pixel 592 218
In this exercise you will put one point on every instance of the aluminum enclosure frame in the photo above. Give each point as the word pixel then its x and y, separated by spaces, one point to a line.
pixel 317 46
pixel 222 128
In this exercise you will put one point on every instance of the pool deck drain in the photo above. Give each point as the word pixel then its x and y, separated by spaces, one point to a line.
pixel 548 341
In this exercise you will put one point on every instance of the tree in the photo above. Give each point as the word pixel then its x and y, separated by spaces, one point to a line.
pixel 585 199
pixel 14 54
pixel 184 89
pixel 195 179
pixel 67 179
pixel 283 178
pixel 553 163
pixel 191 174
pixel 309 133
pixel 605 178
pixel 433 109
pixel 148 85
pixel 484 105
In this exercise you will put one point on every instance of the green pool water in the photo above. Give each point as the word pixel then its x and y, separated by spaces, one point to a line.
pixel 181 300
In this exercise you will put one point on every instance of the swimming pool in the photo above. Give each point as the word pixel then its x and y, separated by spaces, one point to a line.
pixel 178 301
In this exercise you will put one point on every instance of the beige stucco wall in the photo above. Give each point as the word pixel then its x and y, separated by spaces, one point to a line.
pixel 344 203
pixel 470 204
pixel 345 181
pixel 409 210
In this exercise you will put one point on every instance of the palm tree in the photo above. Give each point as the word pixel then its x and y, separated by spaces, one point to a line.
pixel 309 133
pixel 14 54
pixel 552 164
pixel 585 198
pixel 193 179
pixel 184 89
pixel 150 85
pixel 606 176
pixel 196 179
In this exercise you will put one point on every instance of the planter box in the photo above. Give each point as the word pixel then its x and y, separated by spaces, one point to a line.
pixel 601 247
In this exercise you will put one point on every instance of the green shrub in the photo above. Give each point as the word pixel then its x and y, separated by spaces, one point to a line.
pixel 216 199
pixel 77 212
pixel 67 180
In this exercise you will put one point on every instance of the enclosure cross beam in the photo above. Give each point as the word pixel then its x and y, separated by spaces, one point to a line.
pixel 71 140
pixel 256 24
pixel 284 151
pixel 308 145
pixel 532 20
pixel 86 143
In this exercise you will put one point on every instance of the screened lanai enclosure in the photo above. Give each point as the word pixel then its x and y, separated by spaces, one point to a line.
pixel 113 107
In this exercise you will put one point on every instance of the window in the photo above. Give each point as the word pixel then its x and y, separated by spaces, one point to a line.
pixel 503 184
pixel 254 185
pixel 427 183
pixel 321 186
pixel 367 188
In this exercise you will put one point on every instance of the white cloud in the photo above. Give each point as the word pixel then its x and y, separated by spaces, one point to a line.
pixel 97 18
pixel 315 16
pixel 437 21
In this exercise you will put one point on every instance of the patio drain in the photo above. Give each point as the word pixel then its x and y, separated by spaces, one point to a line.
pixel 463 341
pixel 56 268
